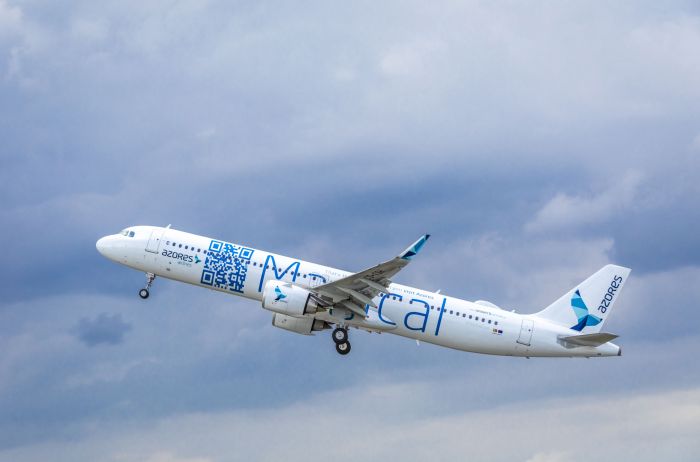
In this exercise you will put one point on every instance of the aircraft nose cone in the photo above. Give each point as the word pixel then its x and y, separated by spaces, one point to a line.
pixel 104 246
pixel 113 248
pixel 101 245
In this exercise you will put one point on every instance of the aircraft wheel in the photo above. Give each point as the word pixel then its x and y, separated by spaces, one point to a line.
pixel 143 293
pixel 340 335
pixel 343 348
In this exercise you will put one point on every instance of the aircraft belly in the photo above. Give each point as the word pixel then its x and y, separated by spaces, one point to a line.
pixel 345 316
pixel 477 339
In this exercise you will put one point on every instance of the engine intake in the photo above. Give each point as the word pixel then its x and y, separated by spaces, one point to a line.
pixel 288 299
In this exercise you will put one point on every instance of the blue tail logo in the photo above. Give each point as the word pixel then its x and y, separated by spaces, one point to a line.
pixel 581 310
pixel 280 295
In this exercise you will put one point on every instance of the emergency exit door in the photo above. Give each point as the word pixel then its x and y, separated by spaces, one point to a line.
pixel 526 332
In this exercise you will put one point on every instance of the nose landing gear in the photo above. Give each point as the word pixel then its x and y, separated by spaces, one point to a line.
pixel 340 338
pixel 144 293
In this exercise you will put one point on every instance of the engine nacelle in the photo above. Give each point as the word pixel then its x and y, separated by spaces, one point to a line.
pixel 304 325
pixel 286 298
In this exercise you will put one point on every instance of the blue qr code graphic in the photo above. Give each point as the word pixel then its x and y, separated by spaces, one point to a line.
pixel 207 277
pixel 226 266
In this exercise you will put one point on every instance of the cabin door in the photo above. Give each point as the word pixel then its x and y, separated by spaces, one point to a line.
pixel 526 332
pixel 154 241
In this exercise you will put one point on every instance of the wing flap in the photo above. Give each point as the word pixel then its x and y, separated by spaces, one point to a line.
pixel 358 296
pixel 353 307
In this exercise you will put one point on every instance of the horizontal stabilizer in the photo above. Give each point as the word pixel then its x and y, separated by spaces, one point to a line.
pixel 593 340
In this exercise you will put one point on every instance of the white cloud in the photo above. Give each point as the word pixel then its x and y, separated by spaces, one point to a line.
pixel 106 372
pixel 10 19
pixel 352 424
pixel 169 457
pixel 695 144
pixel 344 74
pixel 411 59
pixel 89 30
pixel 568 212
pixel 665 52
pixel 556 456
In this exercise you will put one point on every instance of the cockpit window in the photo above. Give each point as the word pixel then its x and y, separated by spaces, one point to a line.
pixel 131 234
pixel 125 232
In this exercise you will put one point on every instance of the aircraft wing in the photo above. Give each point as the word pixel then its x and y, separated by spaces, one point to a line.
pixel 357 290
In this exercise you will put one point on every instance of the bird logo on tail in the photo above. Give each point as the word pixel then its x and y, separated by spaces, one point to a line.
pixel 581 310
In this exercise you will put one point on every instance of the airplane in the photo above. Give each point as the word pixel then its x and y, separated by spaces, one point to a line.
pixel 306 298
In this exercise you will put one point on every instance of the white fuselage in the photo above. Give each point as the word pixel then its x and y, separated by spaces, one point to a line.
pixel 405 311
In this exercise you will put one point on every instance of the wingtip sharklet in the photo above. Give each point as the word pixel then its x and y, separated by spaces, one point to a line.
pixel 413 250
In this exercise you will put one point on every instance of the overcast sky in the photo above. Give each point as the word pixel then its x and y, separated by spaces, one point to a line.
pixel 536 141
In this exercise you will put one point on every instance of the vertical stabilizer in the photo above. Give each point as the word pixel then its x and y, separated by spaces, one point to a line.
pixel 586 307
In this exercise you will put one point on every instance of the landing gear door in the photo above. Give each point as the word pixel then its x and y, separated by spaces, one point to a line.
pixel 154 241
pixel 526 332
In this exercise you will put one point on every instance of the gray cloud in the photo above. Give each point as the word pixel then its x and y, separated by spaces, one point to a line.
pixel 535 143
pixel 103 329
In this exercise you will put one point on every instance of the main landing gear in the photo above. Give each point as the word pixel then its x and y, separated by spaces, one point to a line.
pixel 144 293
pixel 340 338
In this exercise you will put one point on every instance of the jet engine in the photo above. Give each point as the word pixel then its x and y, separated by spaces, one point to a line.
pixel 304 325
pixel 286 298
